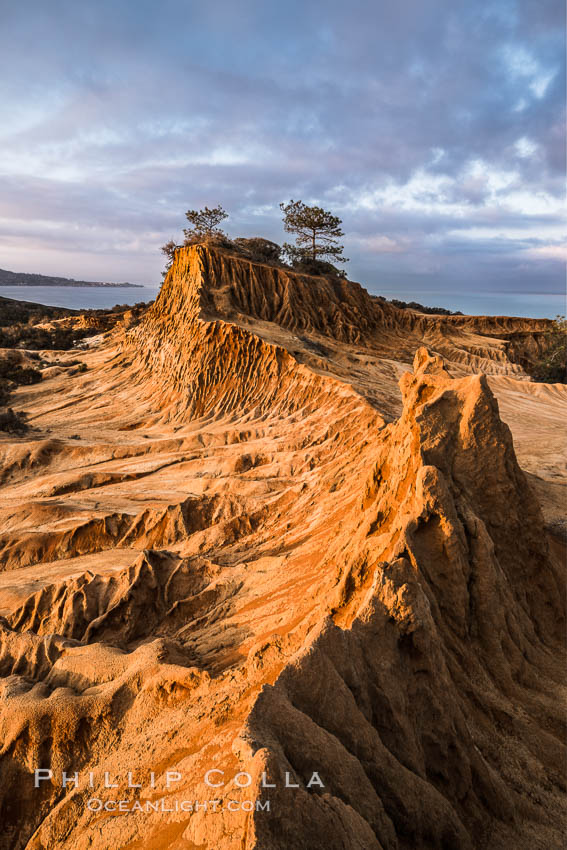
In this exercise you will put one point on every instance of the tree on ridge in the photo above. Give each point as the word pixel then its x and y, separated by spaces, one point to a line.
pixel 317 233
pixel 204 223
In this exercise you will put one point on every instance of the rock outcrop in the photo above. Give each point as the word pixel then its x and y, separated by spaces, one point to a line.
pixel 260 559
pixel 214 314
pixel 448 610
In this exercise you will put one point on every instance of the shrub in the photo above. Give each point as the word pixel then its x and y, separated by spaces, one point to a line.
pixel 19 374
pixel 25 376
pixel 552 366
pixel 23 311
pixel 220 240
pixel 316 267
pixel 414 305
pixel 13 422
pixel 34 338
pixel 258 248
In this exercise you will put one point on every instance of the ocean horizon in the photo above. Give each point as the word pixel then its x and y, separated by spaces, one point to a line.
pixel 532 305
pixel 535 305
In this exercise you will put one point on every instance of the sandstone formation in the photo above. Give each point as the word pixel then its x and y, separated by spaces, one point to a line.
pixel 233 544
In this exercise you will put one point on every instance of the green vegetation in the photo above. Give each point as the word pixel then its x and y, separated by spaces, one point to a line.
pixel 18 326
pixel 317 234
pixel 421 308
pixel 13 422
pixel 552 366
pixel 20 329
pixel 262 250
pixel 204 223
pixel 169 250
pixel 8 278
pixel 34 339
pixel 19 374
pixel 27 311
pixel 317 237
pixel 13 374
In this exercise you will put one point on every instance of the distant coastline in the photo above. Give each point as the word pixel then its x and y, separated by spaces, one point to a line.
pixel 79 283
pixel 8 278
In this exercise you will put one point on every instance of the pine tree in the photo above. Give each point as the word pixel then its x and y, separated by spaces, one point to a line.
pixel 317 233
pixel 204 223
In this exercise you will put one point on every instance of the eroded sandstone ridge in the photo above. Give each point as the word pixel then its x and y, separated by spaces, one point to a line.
pixel 260 558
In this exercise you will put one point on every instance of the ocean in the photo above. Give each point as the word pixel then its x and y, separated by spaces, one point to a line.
pixel 80 297
pixel 534 305
pixel 531 304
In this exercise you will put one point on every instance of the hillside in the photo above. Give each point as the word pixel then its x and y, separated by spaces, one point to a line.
pixel 12 310
pixel 279 527
pixel 8 278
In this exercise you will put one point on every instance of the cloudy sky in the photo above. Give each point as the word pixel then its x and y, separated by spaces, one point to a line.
pixel 434 128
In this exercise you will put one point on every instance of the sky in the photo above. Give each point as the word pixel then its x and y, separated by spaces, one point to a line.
pixel 433 128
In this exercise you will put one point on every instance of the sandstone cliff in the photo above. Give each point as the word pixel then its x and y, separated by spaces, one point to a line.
pixel 262 557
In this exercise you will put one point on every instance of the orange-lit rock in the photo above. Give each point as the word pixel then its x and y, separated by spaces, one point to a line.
pixel 261 559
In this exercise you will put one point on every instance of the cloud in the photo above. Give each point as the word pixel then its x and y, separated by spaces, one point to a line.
pixel 550 252
pixel 411 121
pixel 378 244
